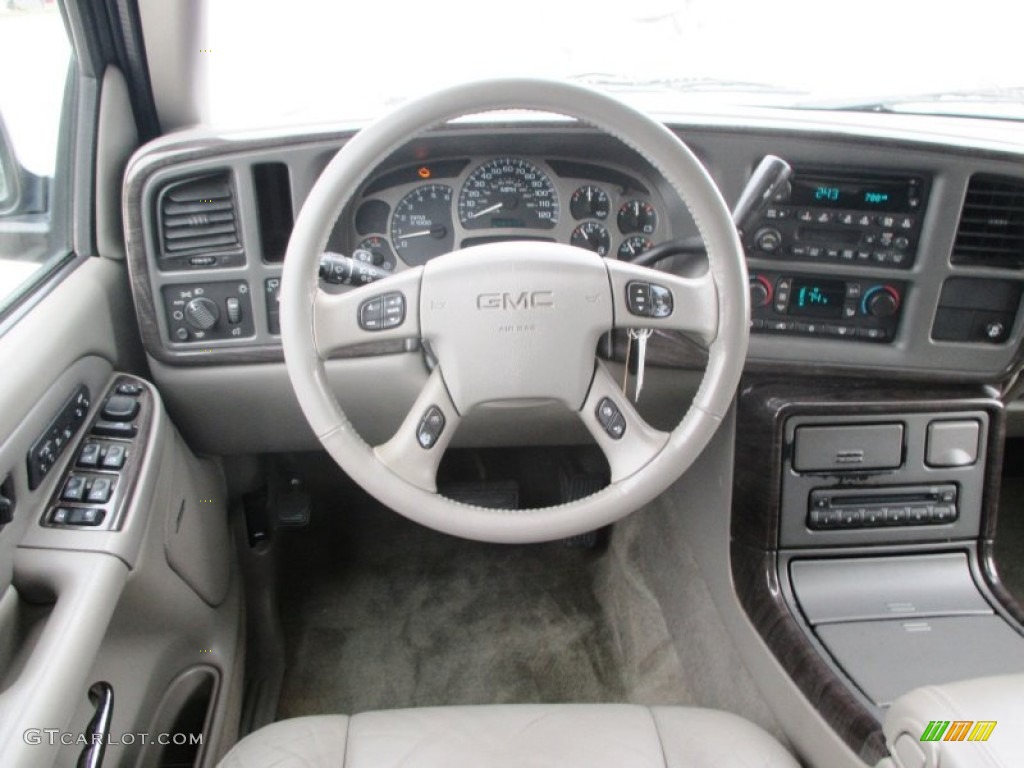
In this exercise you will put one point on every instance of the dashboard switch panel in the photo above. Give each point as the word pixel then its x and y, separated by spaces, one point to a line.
pixel 202 312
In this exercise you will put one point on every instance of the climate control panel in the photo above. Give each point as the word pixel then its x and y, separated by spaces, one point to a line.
pixel 811 305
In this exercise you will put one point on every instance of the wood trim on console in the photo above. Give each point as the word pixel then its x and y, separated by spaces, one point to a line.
pixel 764 404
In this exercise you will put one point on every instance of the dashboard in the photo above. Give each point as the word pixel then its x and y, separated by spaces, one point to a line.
pixel 895 253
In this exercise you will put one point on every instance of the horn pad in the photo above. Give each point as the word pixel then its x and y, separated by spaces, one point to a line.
pixel 516 321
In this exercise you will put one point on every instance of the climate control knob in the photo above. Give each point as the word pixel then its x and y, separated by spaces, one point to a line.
pixel 760 292
pixel 202 314
pixel 880 301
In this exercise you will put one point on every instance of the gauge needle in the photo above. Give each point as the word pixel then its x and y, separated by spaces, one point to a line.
pixel 485 211
pixel 410 235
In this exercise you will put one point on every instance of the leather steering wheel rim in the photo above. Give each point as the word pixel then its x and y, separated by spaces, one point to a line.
pixel 644 465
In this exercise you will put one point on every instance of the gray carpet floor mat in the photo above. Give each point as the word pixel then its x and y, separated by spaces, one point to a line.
pixel 378 612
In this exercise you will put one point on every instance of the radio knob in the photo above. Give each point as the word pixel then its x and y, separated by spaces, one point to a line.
pixel 768 239
pixel 881 301
pixel 202 314
pixel 760 292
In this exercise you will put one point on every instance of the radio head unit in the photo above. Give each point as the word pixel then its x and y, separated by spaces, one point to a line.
pixel 844 217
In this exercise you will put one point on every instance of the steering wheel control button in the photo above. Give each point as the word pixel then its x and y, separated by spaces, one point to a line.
pixel 120 408
pixel 371 314
pixel 610 418
pixel 648 299
pixel 638 298
pixel 430 428
pixel 394 309
pixel 382 312
pixel 661 301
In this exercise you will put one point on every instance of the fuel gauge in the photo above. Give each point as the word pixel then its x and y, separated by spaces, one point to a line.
pixel 593 236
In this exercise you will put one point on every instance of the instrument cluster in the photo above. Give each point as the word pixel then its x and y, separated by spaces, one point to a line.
pixel 407 216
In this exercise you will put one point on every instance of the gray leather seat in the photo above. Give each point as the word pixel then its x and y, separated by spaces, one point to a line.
pixel 517 736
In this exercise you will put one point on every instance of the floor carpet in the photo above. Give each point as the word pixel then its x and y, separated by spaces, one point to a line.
pixel 378 612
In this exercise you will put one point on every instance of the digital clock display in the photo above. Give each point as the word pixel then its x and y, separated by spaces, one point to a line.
pixel 817 298
pixel 853 194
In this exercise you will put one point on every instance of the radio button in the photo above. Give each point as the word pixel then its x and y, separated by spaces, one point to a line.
pixel 853 290
pixel 846 218
pixel 874 334
pixel 864 221
pixel 847 254
pixel 907 222
pixel 814 252
pixel 895 515
pixel 798 250
pixel 805 215
pixel 886 221
pixel 863 255
pixel 832 253
pixel 824 217
pixel 768 240
pixel 874 516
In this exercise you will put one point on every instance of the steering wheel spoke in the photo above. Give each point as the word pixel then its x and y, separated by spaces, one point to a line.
pixel 646 298
pixel 628 442
pixel 381 311
pixel 415 450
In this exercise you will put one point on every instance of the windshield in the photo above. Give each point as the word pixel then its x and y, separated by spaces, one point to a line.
pixel 308 60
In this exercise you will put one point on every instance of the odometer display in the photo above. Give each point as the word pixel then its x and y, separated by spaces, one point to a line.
pixel 509 193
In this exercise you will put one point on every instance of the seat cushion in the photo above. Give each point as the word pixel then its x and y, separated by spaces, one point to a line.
pixel 951 713
pixel 517 736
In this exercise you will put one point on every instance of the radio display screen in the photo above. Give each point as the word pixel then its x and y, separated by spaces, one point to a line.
pixel 817 298
pixel 857 195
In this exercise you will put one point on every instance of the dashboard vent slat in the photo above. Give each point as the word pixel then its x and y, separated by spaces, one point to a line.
pixel 991 229
pixel 198 216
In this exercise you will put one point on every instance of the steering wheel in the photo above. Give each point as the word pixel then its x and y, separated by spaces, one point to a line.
pixel 515 323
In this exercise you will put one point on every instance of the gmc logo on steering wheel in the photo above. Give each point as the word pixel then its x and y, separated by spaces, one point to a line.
pixel 524 300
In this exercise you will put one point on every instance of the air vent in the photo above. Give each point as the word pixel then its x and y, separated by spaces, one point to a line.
pixel 198 224
pixel 991 231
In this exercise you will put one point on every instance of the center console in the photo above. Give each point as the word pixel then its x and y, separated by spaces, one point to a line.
pixel 862 542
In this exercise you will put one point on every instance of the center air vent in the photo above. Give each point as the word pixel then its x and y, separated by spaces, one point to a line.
pixel 198 224
pixel 991 231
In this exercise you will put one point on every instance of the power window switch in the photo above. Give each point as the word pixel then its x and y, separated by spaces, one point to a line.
pixel 90 456
pixel 99 492
pixel 85 516
pixel 114 457
pixel 74 489
pixel 60 516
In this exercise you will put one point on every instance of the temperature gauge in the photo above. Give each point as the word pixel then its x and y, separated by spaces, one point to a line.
pixel 637 216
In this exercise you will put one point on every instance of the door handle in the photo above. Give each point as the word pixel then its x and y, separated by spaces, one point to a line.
pixel 101 695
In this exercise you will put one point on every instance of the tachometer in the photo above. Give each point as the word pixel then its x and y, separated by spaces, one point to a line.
pixel 508 192
pixel 422 225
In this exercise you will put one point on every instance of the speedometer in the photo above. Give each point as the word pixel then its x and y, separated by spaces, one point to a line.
pixel 508 192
